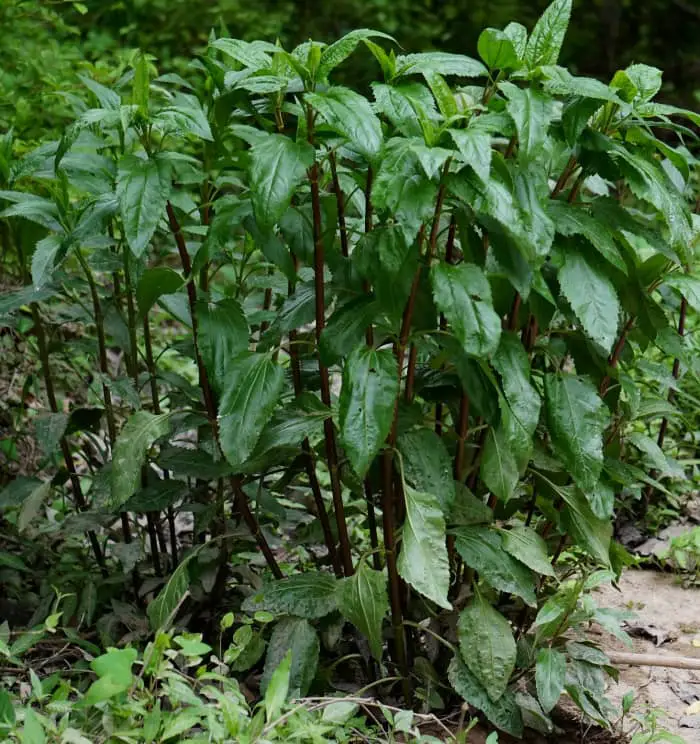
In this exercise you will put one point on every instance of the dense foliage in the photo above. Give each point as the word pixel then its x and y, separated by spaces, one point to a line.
pixel 50 42
pixel 348 384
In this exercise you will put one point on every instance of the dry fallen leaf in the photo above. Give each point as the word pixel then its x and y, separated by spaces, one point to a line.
pixel 696 642
pixel 694 709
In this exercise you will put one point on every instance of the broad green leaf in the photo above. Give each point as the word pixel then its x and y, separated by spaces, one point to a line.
pixel 550 677
pixel 298 309
pixel 180 723
pixel 482 550
pixel 143 188
pixel 340 50
pixel 647 80
pixel 44 259
pixel 443 63
pixel 531 196
pixel 570 220
pixel 223 335
pixel 517 33
pixel 350 115
pixel 49 430
pixel 277 166
pixel 576 422
pixel 384 258
pixel 278 687
pixel 16 491
pixel 310 595
pixel 559 81
pixel 405 104
pixel 584 652
pixel 252 55
pixel 32 504
pixel 468 509
pixel 496 208
pixel 302 418
pixel 497 50
pixel 463 294
pixel 520 411
pixel 475 148
pixel 443 94
pixel 34 208
pixel 299 637
pixel 688 287
pixel 346 328
pixel 504 714
pixel 367 399
pixel 363 601
pixel 270 243
pixel 161 610
pixel 593 298
pixel 11 302
pixel 135 439
pixel 184 116
pixel 591 532
pixel 432 159
pixel 423 561
pixel 251 389
pixel 487 645
pixel 402 188
pixel 532 111
pixel 427 465
pixel 499 468
pixel 113 670
pixel 153 284
pixel 654 456
pixel 529 548
pixel 547 36
pixel 649 182
pixel 32 731
pixel 106 97
pixel 602 500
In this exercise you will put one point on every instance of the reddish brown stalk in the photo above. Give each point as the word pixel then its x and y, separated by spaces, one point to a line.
pixel 663 428
pixel 411 373
pixel 310 462
pixel 369 340
pixel 340 202
pixel 449 258
pixel 564 177
pixel 63 443
pixel 474 476
pixel 155 402
pixel 329 431
pixel 104 370
pixel 614 357
pixel 432 246
pixel 240 499
pixel 515 309
pixel 134 355
pixel 389 500
pixel 400 652
pixel 462 429
pixel 267 304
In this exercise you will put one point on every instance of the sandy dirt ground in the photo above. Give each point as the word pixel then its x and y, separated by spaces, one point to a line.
pixel 666 623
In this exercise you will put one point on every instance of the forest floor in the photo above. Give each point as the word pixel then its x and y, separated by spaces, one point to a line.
pixel 667 624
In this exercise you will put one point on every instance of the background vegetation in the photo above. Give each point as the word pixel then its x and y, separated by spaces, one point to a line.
pixel 48 43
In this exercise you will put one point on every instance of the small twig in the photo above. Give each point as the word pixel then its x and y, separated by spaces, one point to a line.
pixel 655 660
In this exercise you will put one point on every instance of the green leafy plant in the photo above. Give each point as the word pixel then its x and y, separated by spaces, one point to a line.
pixel 405 329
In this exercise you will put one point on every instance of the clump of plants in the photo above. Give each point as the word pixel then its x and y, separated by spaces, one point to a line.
pixel 377 350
